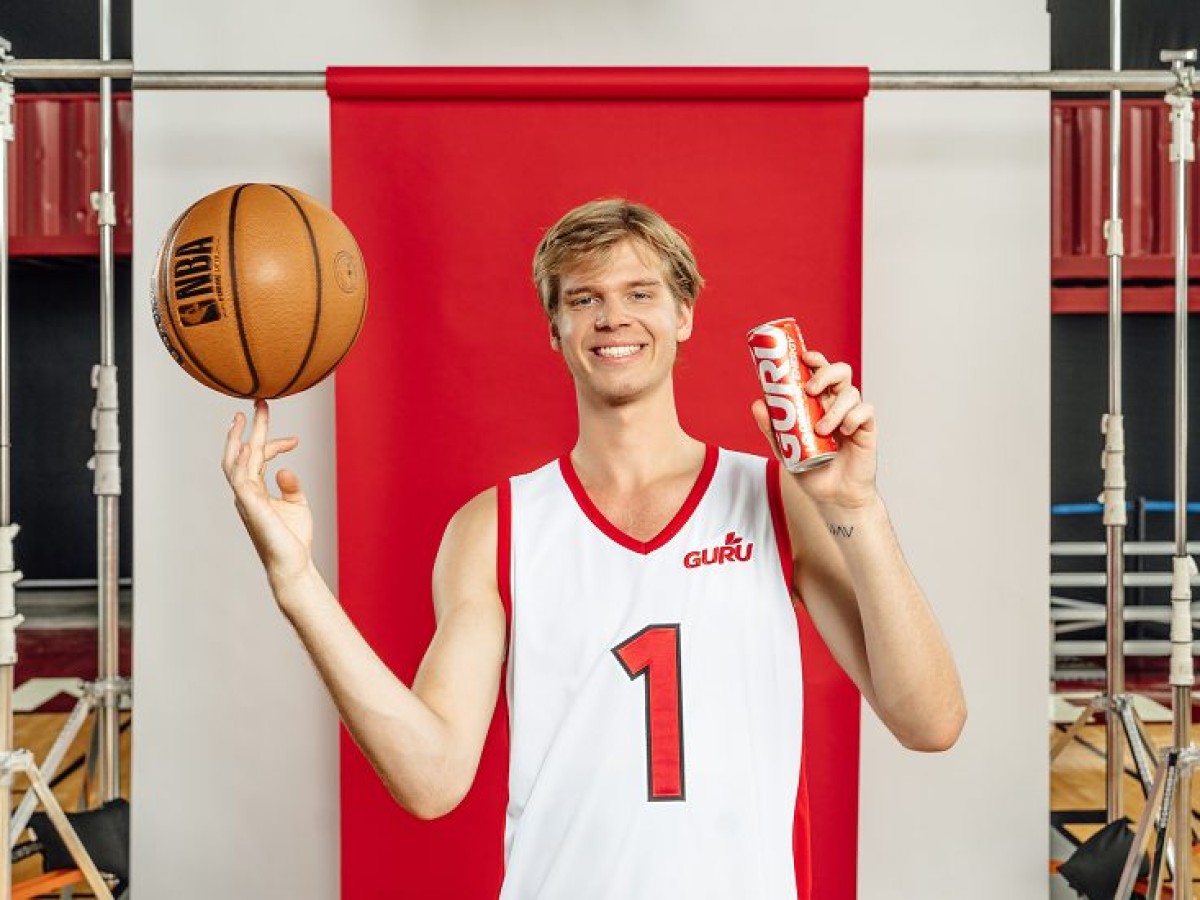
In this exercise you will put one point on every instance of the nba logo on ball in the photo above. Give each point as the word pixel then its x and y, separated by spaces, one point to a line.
pixel 259 291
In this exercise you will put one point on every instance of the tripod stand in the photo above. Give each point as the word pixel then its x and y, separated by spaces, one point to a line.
pixel 1121 718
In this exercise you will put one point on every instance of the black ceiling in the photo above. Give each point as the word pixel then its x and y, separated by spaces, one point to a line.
pixel 1079 32
pixel 62 29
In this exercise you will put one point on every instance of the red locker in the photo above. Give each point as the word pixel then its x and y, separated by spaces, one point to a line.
pixel 1079 186
pixel 54 166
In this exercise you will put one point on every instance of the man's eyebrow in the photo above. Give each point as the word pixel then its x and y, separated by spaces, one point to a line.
pixel 589 289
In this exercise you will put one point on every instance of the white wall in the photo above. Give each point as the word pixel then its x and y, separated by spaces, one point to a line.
pixel 235 743
pixel 235 758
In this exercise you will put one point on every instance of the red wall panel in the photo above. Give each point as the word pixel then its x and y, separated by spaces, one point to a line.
pixel 54 166
pixel 1079 140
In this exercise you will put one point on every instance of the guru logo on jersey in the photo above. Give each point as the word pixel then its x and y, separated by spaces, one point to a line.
pixel 733 550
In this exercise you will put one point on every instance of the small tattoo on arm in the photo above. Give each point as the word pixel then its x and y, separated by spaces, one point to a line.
pixel 844 531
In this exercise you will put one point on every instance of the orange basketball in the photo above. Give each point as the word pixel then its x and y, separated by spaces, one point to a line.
pixel 259 291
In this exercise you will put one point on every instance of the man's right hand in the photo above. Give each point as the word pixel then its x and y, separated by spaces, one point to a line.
pixel 424 742
pixel 280 527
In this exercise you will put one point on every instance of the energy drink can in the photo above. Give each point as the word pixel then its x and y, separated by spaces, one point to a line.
pixel 775 348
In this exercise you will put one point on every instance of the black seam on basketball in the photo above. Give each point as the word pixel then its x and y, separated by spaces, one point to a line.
pixel 180 342
pixel 312 242
pixel 233 285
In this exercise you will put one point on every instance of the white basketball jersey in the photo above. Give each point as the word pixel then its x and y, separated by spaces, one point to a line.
pixel 655 694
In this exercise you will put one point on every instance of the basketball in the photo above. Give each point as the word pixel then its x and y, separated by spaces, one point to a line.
pixel 259 291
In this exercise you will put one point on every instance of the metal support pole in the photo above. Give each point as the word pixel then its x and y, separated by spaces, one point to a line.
pixel 106 461
pixel 1183 678
pixel 9 620
pixel 1113 427
pixel 1082 80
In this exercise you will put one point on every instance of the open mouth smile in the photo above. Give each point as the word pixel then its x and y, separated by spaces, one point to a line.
pixel 617 351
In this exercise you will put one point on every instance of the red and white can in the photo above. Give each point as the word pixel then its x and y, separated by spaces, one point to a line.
pixel 775 348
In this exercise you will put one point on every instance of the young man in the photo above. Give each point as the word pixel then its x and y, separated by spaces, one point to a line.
pixel 641 555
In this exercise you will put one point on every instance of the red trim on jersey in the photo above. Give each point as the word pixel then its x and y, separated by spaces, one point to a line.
pixel 703 480
pixel 504 547
pixel 783 539
pixel 802 835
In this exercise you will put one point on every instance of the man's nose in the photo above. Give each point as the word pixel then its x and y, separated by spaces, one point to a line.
pixel 611 314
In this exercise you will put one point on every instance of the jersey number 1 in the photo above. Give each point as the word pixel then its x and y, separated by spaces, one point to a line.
pixel 654 653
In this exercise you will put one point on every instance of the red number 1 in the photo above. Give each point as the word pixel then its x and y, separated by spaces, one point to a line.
pixel 654 652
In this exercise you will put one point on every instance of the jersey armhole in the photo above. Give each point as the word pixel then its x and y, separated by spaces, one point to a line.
pixel 504 550
pixel 783 540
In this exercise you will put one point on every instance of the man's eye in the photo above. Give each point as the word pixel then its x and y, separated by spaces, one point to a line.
pixel 582 300
pixel 642 295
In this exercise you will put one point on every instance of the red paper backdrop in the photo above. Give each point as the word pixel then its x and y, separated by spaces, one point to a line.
pixel 448 177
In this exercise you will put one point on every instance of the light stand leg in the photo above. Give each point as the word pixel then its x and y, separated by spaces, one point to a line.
pixel 1133 861
pixel 1140 746
pixel 62 825
pixel 1160 831
pixel 1064 740
pixel 49 766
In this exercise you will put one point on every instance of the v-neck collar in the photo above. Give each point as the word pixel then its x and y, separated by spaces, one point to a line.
pixel 695 495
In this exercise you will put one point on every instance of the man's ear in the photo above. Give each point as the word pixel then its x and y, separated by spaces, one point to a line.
pixel 555 341
pixel 686 310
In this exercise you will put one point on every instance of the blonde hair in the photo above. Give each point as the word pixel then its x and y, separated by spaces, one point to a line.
pixel 589 232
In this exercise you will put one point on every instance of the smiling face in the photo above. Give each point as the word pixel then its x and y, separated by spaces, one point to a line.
pixel 618 325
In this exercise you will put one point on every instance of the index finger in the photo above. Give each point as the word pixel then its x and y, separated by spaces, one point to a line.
pixel 834 376
pixel 258 434
pixel 814 359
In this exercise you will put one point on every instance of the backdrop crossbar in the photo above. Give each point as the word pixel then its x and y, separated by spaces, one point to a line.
pixel 1082 80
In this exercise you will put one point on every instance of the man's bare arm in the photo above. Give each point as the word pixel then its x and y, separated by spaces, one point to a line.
pixel 873 616
pixel 425 742
pixel 854 580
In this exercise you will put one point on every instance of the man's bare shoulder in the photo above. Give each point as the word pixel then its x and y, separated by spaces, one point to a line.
pixel 465 570
pixel 476 515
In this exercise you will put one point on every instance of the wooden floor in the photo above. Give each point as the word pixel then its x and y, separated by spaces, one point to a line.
pixel 36 732
pixel 1077 781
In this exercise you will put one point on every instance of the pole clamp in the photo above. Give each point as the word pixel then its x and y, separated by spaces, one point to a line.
pixel 1182 669
pixel 112 690
pixel 8 127
pixel 106 462
pixel 8 99
pixel 1182 117
pixel 1114 235
pixel 1112 461
pixel 5 59
pixel 1185 75
pixel 105 205
pixel 1179 98
pixel 15 762
pixel 1183 569
pixel 10 620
